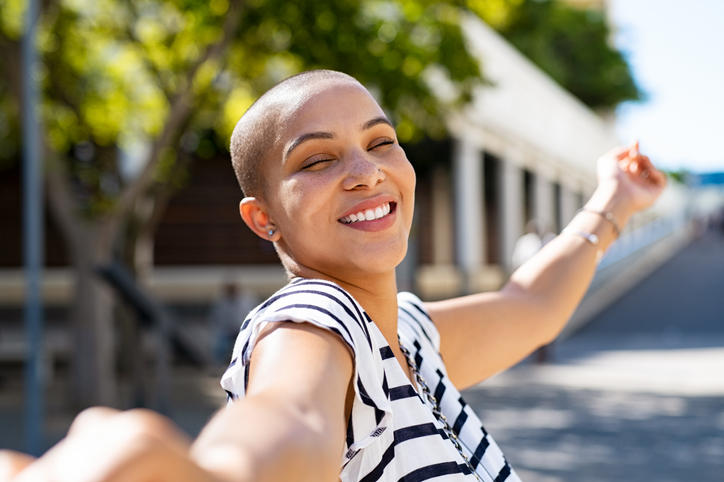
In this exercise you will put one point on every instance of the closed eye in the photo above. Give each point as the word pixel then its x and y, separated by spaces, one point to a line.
pixel 315 164
pixel 386 142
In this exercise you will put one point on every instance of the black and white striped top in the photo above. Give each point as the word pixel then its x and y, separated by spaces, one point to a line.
pixel 392 434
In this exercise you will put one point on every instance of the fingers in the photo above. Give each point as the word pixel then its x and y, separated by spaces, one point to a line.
pixel 91 418
pixel 107 445
pixel 12 463
pixel 641 167
pixel 645 169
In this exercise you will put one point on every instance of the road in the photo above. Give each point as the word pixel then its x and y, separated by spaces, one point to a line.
pixel 637 395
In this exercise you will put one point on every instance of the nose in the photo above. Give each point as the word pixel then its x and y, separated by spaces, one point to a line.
pixel 362 172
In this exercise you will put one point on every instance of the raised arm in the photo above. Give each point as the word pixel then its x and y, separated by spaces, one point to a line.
pixel 485 333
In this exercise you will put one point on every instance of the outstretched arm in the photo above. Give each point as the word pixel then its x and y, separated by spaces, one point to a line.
pixel 485 333
pixel 290 426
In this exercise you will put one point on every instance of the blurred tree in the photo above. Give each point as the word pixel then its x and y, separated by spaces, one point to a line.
pixel 569 43
pixel 133 90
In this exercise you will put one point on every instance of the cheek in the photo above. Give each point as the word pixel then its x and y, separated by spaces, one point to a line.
pixel 407 181
pixel 304 202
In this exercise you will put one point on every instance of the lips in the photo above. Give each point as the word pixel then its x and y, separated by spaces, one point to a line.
pixel 373 214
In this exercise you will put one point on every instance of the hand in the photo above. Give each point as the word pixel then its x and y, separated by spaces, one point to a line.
pixel 110 446
pixel 637 183
pixel 12 463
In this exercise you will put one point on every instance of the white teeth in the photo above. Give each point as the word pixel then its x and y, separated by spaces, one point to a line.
pixel 368 215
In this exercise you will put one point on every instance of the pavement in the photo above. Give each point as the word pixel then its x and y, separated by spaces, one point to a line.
pixel 636 395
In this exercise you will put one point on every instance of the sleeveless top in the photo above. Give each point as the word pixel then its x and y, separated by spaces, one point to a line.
pixel 392 434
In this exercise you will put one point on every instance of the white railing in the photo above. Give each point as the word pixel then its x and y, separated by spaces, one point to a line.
pixel 634 241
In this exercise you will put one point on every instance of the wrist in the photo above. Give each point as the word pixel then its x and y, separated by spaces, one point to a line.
pixel 606 199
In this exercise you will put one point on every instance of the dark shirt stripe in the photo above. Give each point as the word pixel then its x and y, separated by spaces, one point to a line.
pixel 421 310
pixel 350 431
pixel 379 469
pixel 331 328
pixel 403 391
pixel 440 389
pixel 386 352
pixel 363 394
pixel 328 313
pixel 349 298
pixel 459 422
pixel 417 322
pixel 479 452
pixel 357 320
pixel 401 435
pixel 504 473
pixel 415 431
pixel 435 470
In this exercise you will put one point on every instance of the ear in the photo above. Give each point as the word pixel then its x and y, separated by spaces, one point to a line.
pixel 255 215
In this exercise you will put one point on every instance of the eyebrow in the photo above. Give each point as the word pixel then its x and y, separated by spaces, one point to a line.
pixel 328 135
pixel 306 137
pixel 377 120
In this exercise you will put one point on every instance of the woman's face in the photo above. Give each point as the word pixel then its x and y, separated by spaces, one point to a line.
pixel 340 189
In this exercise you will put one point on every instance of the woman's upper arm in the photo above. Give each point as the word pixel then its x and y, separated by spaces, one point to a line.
pixel 483 334
pixel 291 423
pixel 306 365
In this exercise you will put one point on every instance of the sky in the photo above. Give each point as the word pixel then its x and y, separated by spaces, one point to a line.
pixel 676 51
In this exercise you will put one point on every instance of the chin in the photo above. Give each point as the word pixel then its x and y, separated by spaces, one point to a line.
pixel 382 261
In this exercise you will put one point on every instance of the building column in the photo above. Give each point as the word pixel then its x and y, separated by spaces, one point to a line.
pixel 543 203
pixel 569 204
pixel 469 234
pixel 511 205
pixel 443 235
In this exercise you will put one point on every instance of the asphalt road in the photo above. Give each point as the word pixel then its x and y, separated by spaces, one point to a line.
pixel 637 395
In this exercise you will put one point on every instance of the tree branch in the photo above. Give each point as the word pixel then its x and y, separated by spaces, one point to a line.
pixel 144 58
pixel 62 202
pixel 178 114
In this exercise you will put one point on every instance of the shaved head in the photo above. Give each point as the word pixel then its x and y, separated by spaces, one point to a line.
pixel 257 135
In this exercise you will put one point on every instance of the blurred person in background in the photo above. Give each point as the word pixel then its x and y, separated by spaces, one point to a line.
pixel 226 316
pixel 338 376
pixel 528 244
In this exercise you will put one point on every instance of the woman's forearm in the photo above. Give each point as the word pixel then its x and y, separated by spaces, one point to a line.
pixel 558 276
pixel 258 439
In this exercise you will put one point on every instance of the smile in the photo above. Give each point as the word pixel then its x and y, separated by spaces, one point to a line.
pixel 368 214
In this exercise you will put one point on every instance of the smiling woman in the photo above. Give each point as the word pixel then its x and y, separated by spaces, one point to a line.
pixel 337 376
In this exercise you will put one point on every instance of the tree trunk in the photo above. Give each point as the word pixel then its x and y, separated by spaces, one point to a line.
pixel 93 366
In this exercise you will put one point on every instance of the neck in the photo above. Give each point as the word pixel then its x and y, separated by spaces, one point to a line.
pixel 377 293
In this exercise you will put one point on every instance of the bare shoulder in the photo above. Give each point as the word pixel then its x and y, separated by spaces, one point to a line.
pixel 304 364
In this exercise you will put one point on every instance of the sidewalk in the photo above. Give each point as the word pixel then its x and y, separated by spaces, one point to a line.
pixel 637 395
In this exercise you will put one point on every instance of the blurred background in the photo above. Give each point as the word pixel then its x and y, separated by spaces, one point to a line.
pixel 125 268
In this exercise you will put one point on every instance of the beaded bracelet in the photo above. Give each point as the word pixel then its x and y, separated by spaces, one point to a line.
pixel 607 215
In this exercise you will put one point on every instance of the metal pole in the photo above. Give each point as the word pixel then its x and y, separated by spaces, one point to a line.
pixel 32 239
